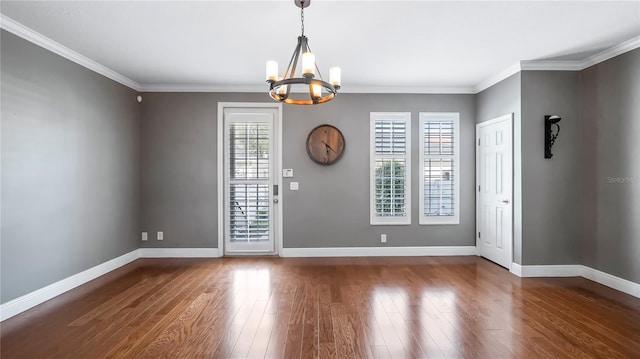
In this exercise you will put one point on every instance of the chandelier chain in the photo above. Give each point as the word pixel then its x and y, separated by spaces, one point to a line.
pixel 302 16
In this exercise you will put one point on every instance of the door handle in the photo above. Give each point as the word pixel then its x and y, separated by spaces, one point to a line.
pixel 505 201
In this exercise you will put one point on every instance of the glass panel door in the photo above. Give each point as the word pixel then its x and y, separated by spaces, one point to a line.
pixel 249 180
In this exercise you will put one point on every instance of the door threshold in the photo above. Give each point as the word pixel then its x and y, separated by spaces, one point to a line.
pixel 250 254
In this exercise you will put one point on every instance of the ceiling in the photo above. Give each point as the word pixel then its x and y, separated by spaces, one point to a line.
pixel 400 45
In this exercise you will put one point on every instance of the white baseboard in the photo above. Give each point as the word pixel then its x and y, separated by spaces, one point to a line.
pixel 551 270
pixel 39 296
pixel 379 251
pixel 612 281
pixel 30 300
pixel 179 253
pixel 577 270
pixel 516 269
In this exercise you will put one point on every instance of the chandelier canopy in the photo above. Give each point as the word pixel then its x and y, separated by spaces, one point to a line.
pixel 307 89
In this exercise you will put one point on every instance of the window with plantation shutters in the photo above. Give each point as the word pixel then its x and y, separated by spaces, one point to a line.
pixel 440 170
pixel 390 168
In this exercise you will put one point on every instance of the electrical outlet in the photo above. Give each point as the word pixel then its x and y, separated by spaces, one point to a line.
pixel 144 236
pixel 160 236
pixel 383 238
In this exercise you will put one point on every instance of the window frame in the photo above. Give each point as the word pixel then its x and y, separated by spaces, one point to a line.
pixel 390 220
pixel 438 117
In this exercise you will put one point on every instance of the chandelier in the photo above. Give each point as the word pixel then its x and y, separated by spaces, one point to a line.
pixel 308 89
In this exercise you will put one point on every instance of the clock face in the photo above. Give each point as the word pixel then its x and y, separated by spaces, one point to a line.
pixel 325 144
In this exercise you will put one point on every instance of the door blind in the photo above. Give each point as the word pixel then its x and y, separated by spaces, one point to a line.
pixel 249 189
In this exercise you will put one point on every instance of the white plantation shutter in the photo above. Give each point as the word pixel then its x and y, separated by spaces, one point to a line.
pixel 439 159
pixel 391 137
pixel 390 168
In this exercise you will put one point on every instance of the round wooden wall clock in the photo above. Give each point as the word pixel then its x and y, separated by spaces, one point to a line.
pixel 325 144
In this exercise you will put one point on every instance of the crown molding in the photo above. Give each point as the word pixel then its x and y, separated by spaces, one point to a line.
pixel 408 90
pixel 504 74
pixel 201 88
pixel 37 38
pixel 535 65
pixel 346 89
pixel 605 55
pixel 550 65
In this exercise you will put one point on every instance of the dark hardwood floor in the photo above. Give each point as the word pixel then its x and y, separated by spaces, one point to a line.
pixel 453 307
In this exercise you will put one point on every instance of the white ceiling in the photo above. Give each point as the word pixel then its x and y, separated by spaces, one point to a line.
pixel 378 44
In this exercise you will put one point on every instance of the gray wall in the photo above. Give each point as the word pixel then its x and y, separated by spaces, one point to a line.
pixel 552 189
pixel 582 205
pixel 501 99
pixel 70 168
pixel 85 168
pixel 179 167
pixel 611 112
pixel 331 209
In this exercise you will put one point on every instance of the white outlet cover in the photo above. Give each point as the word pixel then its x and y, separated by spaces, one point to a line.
pixel 293 186
pixel 287 172
pixel 145 236
pixel 160 236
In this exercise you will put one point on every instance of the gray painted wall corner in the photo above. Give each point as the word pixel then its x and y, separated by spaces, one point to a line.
pixel 553 190
pixel 70 168
pixel 611 111
pixel 501 99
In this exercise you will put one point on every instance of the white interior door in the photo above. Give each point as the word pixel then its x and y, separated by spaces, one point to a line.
pixel 250 180
pixel 494 163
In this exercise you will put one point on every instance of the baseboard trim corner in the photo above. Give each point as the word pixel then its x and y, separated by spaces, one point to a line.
pixel 516 269
pixel 380 251
pixel 577 270
pixel 179 253
pixel 39 296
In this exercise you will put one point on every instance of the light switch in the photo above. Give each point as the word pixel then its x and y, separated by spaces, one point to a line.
pixel 287 172
pixel 293 186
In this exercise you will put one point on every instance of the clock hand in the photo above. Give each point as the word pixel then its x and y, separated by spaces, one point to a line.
pixel 329 147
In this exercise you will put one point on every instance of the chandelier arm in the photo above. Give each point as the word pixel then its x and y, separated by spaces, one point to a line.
pixel 295 57
pixel 292 61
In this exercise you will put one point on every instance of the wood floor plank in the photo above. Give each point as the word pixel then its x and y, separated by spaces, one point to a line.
pixel 310 328
pixel 417 307
pixel 151 323
pixel 278 339
pixel 293 345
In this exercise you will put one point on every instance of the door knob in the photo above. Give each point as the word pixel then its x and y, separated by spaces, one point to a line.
pixel 275 200
pixel 506 201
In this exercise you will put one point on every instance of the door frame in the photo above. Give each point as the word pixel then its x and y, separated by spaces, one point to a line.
pixel 509 117
pixel 277 235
